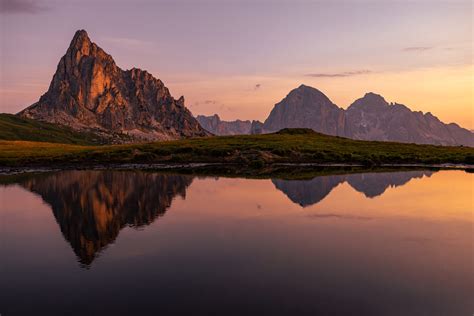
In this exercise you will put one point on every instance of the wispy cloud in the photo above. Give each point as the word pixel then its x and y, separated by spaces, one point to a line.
pixel 21 6
pixel 417 48
pixel 339 216
pixel 339 74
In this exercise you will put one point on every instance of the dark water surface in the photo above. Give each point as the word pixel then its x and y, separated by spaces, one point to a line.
pixel 142 243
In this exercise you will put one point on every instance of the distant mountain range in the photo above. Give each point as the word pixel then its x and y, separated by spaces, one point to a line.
pixel 368 118
pixel 216 126
pixel 89 92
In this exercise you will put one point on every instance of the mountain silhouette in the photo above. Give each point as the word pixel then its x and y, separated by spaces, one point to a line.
pixel 375 184
pixel 310 192
pixel 367 118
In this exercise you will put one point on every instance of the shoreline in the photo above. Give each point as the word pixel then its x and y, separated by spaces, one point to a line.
pixel 244 169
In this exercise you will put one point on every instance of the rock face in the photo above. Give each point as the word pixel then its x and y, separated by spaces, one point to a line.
pixel 306 107
pixel 373 118
pixel 90 92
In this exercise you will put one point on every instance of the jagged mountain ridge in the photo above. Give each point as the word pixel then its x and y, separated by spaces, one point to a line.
pixel 373 118
pixel 90 92
pixel 215 125
pixel 367 118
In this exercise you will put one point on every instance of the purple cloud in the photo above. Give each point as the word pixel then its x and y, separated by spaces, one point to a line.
pixel 417 48
pixel 339 74
pixel 21 6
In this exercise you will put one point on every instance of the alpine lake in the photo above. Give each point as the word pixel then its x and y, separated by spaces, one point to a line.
pixel 144 242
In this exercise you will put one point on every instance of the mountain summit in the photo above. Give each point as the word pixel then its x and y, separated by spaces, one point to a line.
pixel 368 118
pixel 306 107
pixel 373 118
pixel 89 92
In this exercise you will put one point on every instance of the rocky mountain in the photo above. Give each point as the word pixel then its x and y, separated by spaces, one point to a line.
pixel 306 107
pixel 373 118
pixel 90 92
pixel 257 128
pixel 216 126
pixel 368 118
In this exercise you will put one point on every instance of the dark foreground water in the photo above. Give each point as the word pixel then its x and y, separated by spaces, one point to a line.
pixel 141 243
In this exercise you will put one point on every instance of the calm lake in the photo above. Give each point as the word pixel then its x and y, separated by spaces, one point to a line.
pixel 146 243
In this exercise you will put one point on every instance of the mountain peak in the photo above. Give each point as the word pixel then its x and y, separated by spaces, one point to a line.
pixel 81 34
pixel 369 100
pixel 308 91
pixel 306 107
pixel 304 87
pixel 80 39
pixel 90 92
pixel 374 97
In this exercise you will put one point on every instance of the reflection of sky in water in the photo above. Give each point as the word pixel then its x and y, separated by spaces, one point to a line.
pixel 371 243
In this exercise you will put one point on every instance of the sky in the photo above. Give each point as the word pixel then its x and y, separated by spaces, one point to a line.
pixel 239 58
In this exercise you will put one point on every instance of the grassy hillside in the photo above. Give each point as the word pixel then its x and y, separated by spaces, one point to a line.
pixel 287 146
pixel 13 127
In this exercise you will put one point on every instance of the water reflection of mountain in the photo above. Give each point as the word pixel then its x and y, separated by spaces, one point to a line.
pixel 309 192
pixel 91 207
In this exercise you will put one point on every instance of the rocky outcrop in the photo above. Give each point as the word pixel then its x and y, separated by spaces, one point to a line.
pixel 90 92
